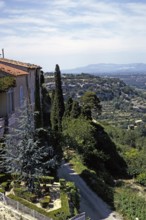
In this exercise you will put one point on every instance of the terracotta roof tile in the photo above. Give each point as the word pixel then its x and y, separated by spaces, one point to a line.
pixel 28 65
pixel 12 71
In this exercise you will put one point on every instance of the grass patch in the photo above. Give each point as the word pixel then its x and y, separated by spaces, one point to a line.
pixel 77 163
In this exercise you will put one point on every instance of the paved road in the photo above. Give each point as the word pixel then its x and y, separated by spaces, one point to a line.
pixel 94 207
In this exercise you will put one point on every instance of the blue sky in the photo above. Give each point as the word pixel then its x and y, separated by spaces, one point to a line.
pixel 73 33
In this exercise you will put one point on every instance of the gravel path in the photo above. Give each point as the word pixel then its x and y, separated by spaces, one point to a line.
pixel 94 207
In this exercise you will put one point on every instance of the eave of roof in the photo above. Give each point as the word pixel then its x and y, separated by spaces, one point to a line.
pixel 12 71
pixel 27 65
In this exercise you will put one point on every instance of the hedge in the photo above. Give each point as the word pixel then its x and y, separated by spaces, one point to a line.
pixel 4 177
pixel 53 214
pixel 46 179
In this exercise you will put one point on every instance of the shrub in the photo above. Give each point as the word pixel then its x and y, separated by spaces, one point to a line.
pixel 2 190
pixel 46 179
pixel 29 196
pixel 44 202
pixel 5 186
pixel 15 176
pixel 4 177
pixel 130 204
pixel 21 192
pixel 62 183
pixel 141 179
pixel 98 185
pixel 64 208
pixel 33 198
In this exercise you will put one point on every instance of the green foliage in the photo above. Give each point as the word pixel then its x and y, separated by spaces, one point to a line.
pixel 77 161
pixel 2 190
pixel 7 82
pixel 46 106
pixel 134 157
pixel 27 151
pixel 57 109
pixel 46 179
pixel 141 179
pixel 98 185
pixel 62 183
pixel 52 214
pixel 76 110
pixel 134 162
pixel 19 191
pixel 91 102
pixel 23 193
pixel 130 204
pixel 68 107
pixel 38 117
pixel 4 177
pixel 45 202
pixel 74 196
pixel 5 186
pixel 94 144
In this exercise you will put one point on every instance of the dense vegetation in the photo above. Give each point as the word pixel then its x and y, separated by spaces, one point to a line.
pixel 6 83
pixel 104 145
pixel 106 149
pixel 130 203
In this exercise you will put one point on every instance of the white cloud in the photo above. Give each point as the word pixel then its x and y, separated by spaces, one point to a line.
pixel 67 27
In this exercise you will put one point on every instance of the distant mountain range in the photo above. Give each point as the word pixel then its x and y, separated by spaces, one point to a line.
pixel 107 68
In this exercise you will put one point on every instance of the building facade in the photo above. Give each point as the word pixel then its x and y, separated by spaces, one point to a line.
pixel 13 95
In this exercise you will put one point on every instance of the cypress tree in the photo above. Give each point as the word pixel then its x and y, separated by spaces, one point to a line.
pixel 38 121
pixel 57 110
pixel 76 109
pixel 68 107
pixel 46 104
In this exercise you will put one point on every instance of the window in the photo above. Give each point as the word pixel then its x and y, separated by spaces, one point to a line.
pixel 32 95
pixel 10 101
pixel 21 96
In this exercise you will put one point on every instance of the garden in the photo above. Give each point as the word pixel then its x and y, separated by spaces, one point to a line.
pixel 46 196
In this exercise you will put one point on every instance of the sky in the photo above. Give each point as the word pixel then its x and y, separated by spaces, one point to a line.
pixel 73 33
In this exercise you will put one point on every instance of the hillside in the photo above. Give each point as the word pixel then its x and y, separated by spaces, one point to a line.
pixel 120 102
pixel 105 87
pixel 110 68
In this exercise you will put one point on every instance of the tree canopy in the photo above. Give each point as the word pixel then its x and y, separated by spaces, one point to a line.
pixel 91 102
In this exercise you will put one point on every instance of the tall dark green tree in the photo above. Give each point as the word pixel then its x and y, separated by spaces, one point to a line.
pixel 76 109
pixel 38 119
pixel 91 104
pixel 57 109
pixel 68 107
pixel 46 106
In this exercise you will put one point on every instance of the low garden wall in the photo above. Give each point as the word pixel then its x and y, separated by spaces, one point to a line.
pixel 79 217
pixel 20 207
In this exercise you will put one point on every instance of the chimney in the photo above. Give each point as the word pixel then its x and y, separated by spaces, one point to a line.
pixel 3 56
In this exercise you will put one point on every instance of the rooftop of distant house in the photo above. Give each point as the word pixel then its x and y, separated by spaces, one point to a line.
pixel 11 70
pixel 27 65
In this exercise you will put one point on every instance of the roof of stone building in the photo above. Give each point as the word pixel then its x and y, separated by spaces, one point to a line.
pixel 11 70
pixel 27 65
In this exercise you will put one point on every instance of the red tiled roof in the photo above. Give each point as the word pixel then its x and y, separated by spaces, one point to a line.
pixel 12 71
pixel 27 65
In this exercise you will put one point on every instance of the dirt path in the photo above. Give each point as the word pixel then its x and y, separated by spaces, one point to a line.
pixel 94 207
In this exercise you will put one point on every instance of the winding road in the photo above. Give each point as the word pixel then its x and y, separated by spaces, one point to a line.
pixel 94 206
